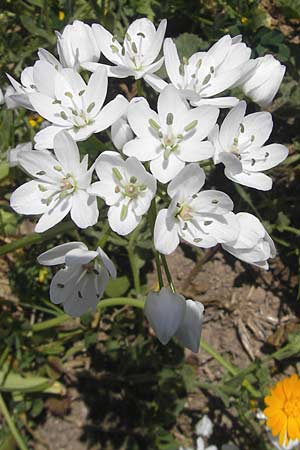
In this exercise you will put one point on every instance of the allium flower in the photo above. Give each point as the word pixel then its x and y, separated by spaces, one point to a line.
pixel 136 57
pixel 126 187
pixel 239 145
pixel 121 133
pixel 264 82
pixel 253 244
pixel 170 315
pixel 200 218
pixel 14 153
pixel 283 410
pixel 59 186
pixel 77 107
pixel 37 78
pixel 77 45
pixel 204 427
pixel 81 283
pixel 171 137
pixel 206 74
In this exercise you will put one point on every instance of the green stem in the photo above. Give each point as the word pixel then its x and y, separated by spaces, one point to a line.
pixel 118 301
pixel 132 260
pixel 13 429
pixel 229 367
pixel 168 273
pixel 35 238
pixel 152 217
pixel 139 88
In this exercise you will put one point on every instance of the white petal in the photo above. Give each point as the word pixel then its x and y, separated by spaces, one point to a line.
pixel 206 117
pixel 191 150
pixel 66 151
pixel 139 114
pixel 111 112
pixel 157 83
pixel 105 190
pixel 44 75
pixel 46 108
pixel 258 180
pixel 156 43
pixel 166 169
pixel 144 149
pixel 45 137
pixel 121 133
pixel 96 90
pixel 164 311
pixel 125 226
pixel 190 328
pixel 105 164
pixel 40 164
pixel 53 215
pixel 231 124
pixel 259 125
pixel 84 211
pixel 219 102
pixel 56 255
pixel 204 427
pixel 231 162
pixel 63 284
pixel 80 256
pixel 265 158
pixel 188 181
pixel 172 61
pixel 107 263
pixel 27 199
pixel 170 101
pixel 105 40
pixel 212 202
pixel 166 237
pixel 251 231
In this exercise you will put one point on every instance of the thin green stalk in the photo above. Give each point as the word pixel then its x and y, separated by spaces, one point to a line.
pixel 35 238
pixel 168 273
pixel 152 217
pixel 132 260
pixel 118 301
pixel 13 429
pixel 229 367
pixel 139 88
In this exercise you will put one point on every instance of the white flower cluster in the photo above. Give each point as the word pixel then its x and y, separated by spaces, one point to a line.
pixel 157 157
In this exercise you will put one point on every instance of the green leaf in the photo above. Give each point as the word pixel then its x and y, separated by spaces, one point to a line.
pixel 12 382
pixel 187 44
pixel 4 170
pixel 118 287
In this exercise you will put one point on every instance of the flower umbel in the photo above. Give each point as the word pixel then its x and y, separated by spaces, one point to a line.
pixel 283 409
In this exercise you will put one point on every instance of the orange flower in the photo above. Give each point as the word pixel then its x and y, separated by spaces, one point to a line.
pixel 283 409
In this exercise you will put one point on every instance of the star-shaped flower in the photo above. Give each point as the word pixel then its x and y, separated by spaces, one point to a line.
pixel 59 186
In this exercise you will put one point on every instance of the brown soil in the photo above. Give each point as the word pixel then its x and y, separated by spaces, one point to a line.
pixel 245 308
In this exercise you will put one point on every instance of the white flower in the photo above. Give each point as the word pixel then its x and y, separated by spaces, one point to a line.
pixel 59 186
pixel 265 81
pixel 14 153
pixel 37 78
pixel 173 136
pixel 201 445
pixel 206 74
pixel 121 133
pixel 77 45
pixel 136 57
pixel 170 315
pixel 81 283
pixel 239 145
pixel 204 427
pixel 200 218
pixel 77 107
pixel 126 187
pixel 253 244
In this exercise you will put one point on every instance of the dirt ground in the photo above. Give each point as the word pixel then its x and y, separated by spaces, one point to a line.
pixel 244 309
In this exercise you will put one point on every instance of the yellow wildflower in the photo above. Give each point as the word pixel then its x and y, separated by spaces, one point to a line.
pixel 283 409
pixel 61 15
pixel 42 275
pixel 244 20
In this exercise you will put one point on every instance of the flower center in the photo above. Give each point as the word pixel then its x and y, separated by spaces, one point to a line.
pixel 184 212
pixel 292 407
pixel 131 190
